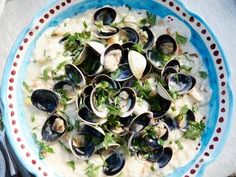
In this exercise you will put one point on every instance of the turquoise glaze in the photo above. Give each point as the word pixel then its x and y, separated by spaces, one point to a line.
pixel 153 7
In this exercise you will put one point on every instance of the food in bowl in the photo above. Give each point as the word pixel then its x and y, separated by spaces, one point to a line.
pixel 116 92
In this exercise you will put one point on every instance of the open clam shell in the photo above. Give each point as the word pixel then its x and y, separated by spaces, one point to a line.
pixel 180 83
pixel 45 100
pixel 54 128
pixel 137 63
pixel 165 158
pixel 147 37
pixel 114 164
pixel 89 59
pixel 106 32
pixel 75 75
pixel 106 15
pixel 67 89
pixel 123 73
pixel 127 101
pixel 184 119
pixel 140 122
pixel 128 34
pixel 111 58
pixel 166 44
pixel 102 78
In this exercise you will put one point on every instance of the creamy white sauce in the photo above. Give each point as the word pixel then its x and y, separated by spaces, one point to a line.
pixel 49 53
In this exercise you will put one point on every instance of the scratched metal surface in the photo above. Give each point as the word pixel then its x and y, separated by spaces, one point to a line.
pixel 219 14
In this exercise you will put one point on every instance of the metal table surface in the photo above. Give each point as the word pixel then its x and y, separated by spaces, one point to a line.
pixel 219 14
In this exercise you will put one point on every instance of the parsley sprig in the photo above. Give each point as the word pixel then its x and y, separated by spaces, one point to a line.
pixel 195 130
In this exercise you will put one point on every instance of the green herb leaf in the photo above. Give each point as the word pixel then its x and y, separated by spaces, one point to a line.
pixel 33 118
pixel 152 168
pixel 203 74
pixel 43 148
pixel 71 164
pixel 161 142
pixel 85 25
pixel 92 170
pixel 45 76
pixel 195 108
pixel 195 130
pixel 186 68
pixel 184 109
pixel 27 87
pixel 178 143
pixel 174 94
pixel 64 146
pixel 115 74
pixel 150 19
pixel 138 47
pixel 108 140
pixel 180 39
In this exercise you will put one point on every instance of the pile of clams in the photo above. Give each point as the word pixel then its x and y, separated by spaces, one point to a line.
pixel 106 83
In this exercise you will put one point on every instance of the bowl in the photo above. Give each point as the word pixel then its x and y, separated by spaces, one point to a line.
pixel 221 101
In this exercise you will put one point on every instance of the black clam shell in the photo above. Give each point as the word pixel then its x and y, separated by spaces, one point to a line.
pixel 45 100
pixel 48 133
pixel 150 39
pixel 163 105
pixel 140 122
pixel 101 78
pixel 166 41
pixel 75 75
pixel 165 158
pixel 131 34
pixel 114 164
pixel 86 148
pixel 106 15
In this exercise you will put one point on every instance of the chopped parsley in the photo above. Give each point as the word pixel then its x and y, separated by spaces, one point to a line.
pixel 85 25
pixel 27 87
pixel 174 94
pixel 150 19
pixel 180 39
pixel 46 74
pixel 195 130
pixel 203 74
pixel 195 108
pixel 138 47
pixel 180 146
pixel 64 146
pixel 116 74
pixel 92 170
pixel 108 140
pixel 186 68
pixel 143 88
pixel 33 118
pixel 71 164
pixel 43 147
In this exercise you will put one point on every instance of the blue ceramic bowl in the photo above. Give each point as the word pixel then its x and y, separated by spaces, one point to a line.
pixel 221 102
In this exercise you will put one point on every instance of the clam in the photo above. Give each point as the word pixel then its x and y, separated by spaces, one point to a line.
pixel 140 122
pixel 126 48
pixel 89 59
pixel 166 72
pixel 147 37
pixel 174 64
pixel 54 128
pixel 166 44
pixel 110 59
pixel 45 100
pixel 126 99
pixel 169 122
pixel 75 75
pixel 81 145
pixel 106 80
pixel 137 63
pixel 156 59
pixel 180 83
pixel 65 88
pixel 162 130
pixel 114 164
pixel 88 117
pixel 106 15
pixel 96 132
pixel 123 73
pixel 128 34
pixel 106 32
pixel 163 92
pixel 160 107
pixel 121 129
pixel 165 158
pixel 184 119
